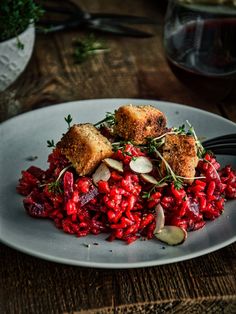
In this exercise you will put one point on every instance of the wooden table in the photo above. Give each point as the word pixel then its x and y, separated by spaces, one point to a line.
pixel 132 68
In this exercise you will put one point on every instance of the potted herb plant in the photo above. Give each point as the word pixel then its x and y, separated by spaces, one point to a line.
pixel 17 35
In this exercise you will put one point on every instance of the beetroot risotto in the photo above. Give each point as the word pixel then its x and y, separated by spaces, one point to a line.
pixel 129 176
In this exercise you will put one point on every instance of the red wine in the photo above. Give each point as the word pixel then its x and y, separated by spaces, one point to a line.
pixel 205 47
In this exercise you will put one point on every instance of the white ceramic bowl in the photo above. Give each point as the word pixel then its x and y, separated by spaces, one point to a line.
pixel 14 60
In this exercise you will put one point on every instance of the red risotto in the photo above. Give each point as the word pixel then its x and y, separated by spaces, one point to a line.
pixel 120 206
pixel 124 203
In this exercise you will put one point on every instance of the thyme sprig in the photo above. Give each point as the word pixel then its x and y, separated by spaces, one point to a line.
pixel 154 144
pixel 147 194
pixel 168 179
pixel 109 120
pixel 16 16
pixel 84 48
pixel 55 186
pixel 51 143
pixel 200 149
pixel 178 182
pixel 68 120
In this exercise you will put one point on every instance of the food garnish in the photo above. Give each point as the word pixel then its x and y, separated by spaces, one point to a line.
pixel 160 219
pixel 102 173
pixel 172 235
pixel 141 165
pixel 87 47
pixel 115 164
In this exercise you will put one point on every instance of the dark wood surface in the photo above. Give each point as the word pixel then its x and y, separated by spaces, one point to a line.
pixel 132 68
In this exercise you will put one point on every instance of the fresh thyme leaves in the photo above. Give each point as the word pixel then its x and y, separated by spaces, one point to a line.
pixel 180 130
pixel 16 16
pixel 157 142
pixel 55 186
pixel 121 146
pixel 68 120
pixel 147 194
pixel 51 143
pixel 154 144
pixel 177 180
pixel 161 183
pixel 200 149
pixel 178 184
pixel 109 120
pixel 84 48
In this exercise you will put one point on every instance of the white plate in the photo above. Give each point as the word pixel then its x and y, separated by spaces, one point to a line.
pixel 26 135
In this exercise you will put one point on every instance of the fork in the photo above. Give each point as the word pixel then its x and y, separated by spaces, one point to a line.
pixel 222 145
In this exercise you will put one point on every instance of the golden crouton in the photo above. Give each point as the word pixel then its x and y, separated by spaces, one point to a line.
pixel 180 152
pixel 85 147
pixel 136 123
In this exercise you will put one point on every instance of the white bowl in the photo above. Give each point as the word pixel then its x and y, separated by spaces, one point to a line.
pixel 13 60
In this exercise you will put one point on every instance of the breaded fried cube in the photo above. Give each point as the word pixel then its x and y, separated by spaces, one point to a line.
pixel 136 123
pixel 180 152
pixel 85 147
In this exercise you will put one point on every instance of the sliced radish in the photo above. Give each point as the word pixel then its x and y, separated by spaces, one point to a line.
pixel 172 235
pixel 161 185
pixel 102 173
pixel 148 178
pixel 160 219
pixel 141 165
pixel 115 164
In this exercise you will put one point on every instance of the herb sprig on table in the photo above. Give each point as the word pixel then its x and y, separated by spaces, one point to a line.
pixel 15 16
pixel 86 47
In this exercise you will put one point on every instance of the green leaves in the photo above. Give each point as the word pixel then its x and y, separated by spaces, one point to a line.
pixel 51 143
pixel 109 120
pixel 153 144
pixel 15 16
pixel 200 149
pixel 178 183
pixel 84 48
pixel 68 120
pixel 180 130
pixel 55 186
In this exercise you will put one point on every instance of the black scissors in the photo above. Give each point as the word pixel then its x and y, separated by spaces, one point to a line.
pixel 72 16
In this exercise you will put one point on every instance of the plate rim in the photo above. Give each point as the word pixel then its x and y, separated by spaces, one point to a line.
pixel 127 100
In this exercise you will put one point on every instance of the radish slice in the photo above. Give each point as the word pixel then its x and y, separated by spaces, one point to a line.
pixel 172 235
pixel 160 219
pixel 115 164
pixel 161 185
pixel 148 178
pixel 102 173
pixel 141 165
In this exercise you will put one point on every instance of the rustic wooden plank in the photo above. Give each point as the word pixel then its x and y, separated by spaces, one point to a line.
pixel 129 69
pixel 196 279
pixel 37 286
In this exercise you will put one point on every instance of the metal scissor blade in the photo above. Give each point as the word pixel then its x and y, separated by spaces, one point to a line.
pixel 48 26
pixel 119 30
pixel 118 18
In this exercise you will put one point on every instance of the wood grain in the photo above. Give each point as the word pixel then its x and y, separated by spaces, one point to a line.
pixel 132 68
pixel 35 286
